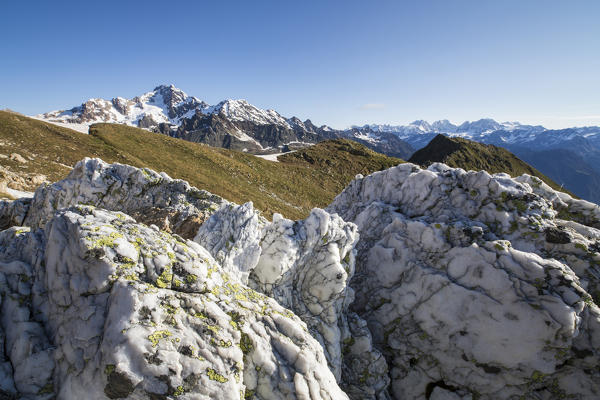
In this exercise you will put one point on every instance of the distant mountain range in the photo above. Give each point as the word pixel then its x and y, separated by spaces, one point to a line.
pixel 462 153
pixel 231 124
pixel 419 133
pixel 570 157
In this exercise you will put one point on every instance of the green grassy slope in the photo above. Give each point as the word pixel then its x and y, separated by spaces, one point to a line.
pixel 470 155
pixel 54 149
pixel 291 187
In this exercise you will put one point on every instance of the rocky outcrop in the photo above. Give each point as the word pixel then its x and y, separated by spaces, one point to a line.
pixel 127 311
pixel 466 288
pixel 305 266
pixel 97 305
pixel 413 284
pixel 152 198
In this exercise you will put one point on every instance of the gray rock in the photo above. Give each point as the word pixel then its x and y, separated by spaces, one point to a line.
pixel 137 313
pixel 463 294
pixel 149 196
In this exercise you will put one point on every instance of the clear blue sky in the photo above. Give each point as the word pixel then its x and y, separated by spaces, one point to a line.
pixel 336 62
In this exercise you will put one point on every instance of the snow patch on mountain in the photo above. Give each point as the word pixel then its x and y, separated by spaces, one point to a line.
pixel 164 104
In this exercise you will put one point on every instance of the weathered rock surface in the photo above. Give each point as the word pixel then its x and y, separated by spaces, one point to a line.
pixel 305 266
pixel 96 305
pixel 461 285
pixel 150 197
pixel 470 287
pixel 121 310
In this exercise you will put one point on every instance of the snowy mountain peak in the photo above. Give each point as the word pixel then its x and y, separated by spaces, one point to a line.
pixel 241 110
pixel 443 125
pixel 170 94
pixel 421 125
pixel 480 126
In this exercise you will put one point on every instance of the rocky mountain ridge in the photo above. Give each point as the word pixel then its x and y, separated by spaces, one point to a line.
pixel 570 157
pixel 413 284
pixel 489 131
pixel 469 155
pixel 232 124
pixel 238 125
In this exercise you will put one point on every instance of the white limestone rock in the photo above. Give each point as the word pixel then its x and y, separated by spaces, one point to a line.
pixel 474 286
pixel 150 197
pixel 131 312
pixel 305 266
pixel 26 367
pixel 232 235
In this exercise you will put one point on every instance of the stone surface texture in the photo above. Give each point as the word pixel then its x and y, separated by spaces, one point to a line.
pixel 466 289
pixel 413 284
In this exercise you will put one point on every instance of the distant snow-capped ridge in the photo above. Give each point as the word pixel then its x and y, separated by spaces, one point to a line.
pixel 233 124
pixel 166 104
pixel 484 125
pixel 418 133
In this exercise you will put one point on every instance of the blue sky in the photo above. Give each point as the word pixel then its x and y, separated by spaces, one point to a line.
pixel 335 62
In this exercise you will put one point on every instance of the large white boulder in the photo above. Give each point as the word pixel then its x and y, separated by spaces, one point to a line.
pixel 473 286
pixel 116 309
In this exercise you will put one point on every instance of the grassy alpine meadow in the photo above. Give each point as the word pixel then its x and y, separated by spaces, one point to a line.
pixel 309 178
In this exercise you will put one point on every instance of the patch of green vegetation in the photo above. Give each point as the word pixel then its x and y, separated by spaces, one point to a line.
pixel 246 343
pixel 587 299
pixel 164 280
pixel 581 246
pixel 348 343
pixel 157 336
pixel 178 391
pixel 47 388
pixel 105 241
pixel 215 376
pixel 109 369
pixel 537 376
pixel 300 181
pixel 520 205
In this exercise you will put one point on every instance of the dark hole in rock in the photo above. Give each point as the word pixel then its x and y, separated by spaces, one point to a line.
pixel 432 385
pixel 119 386
pixel 489 369
pixel 557 236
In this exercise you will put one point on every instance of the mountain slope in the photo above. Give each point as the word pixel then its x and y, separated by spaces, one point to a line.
pixel 568 156
pixel 567 168
pixel 290 188
pixel 47 149
pixel 470 155
pixel 232 124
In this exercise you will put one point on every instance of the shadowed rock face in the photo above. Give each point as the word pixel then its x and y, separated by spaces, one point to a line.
pixel 413 284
